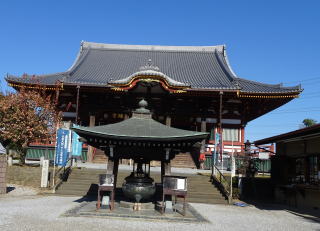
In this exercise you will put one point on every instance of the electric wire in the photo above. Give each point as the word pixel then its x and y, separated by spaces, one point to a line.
pixel 318 92
pixel 290 67
pixel 298 81
pixel 271 113
pixel 290 109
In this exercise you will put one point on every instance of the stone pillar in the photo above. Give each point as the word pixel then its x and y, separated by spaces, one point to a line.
pixel 10 160
pixel 90 148
pixel 166 168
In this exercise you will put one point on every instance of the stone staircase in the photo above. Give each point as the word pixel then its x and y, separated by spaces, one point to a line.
pixel 100 157
pixel 182 160
pixel 83 182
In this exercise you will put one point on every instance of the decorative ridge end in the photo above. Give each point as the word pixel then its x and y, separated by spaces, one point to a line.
pixel 236 83
pixel 149 67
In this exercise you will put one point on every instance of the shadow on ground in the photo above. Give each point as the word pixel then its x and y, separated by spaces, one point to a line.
pixel 9 189
pixel 268 204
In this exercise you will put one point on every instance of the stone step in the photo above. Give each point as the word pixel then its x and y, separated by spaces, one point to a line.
pixel 100 157
pixel 84 182
pixel 191 189
pixel 94 189
pixel 119 194
pixel 96 176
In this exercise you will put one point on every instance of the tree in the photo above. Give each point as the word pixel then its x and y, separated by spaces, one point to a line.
pixel 29 115
pixel 309 122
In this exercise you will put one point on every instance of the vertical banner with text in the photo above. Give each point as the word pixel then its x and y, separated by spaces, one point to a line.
pixel 62 147
pixel 76 144
pixel 215 148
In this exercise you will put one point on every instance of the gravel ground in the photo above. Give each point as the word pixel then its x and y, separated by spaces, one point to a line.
pixel 18 190
pixel 21 209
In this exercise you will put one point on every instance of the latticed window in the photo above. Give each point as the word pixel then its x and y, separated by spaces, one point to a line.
pixel 314 164
pixel 230 134
pixel 300 171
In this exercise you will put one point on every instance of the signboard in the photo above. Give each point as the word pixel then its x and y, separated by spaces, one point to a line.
pixel 215 147
pixel 233 166
pixel 69 144
pixel 76 144
pixel 45 173
pixel 62 147
pixel 263 155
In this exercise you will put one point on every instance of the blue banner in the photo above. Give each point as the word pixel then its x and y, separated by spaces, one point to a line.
pixel 215 147
pixel 62 147
pixel 76 144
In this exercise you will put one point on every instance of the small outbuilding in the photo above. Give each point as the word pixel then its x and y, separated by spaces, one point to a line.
pixel 296 167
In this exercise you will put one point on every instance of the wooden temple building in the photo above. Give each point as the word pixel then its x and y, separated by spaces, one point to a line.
pixel 295 169
pixel 191 88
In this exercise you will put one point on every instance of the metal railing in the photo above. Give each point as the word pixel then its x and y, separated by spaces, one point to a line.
pixel 66 172
pixel 220 180
pixel 222 177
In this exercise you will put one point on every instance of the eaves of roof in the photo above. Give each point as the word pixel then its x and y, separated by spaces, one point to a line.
pixel 290 135
pixel 248 86
pixel 140 129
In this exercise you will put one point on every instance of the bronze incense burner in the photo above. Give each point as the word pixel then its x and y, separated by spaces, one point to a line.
pixel 138 185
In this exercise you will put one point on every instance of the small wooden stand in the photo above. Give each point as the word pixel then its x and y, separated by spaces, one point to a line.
pixel 176 193
pixel 105 188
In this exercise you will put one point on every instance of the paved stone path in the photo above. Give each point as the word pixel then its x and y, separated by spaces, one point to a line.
pixel 23 210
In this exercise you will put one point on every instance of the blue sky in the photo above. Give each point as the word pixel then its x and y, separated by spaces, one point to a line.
pixel 267 41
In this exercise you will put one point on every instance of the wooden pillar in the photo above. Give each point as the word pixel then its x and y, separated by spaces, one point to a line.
pixel 90 148
pixel 162 170
pixel 115 171
pixel 125 161
pixel 77 109
pixel 203 129
pixel 220 125
pixel 168 120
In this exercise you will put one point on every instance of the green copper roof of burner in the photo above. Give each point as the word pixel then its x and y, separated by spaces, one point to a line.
pixel 140 126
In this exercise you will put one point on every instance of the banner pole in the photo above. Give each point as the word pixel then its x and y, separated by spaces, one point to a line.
pixel 232 168
pixel 54 157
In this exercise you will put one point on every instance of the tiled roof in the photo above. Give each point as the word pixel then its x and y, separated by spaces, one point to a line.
pixel 202 67
pixel 48 79
pixel 256 87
